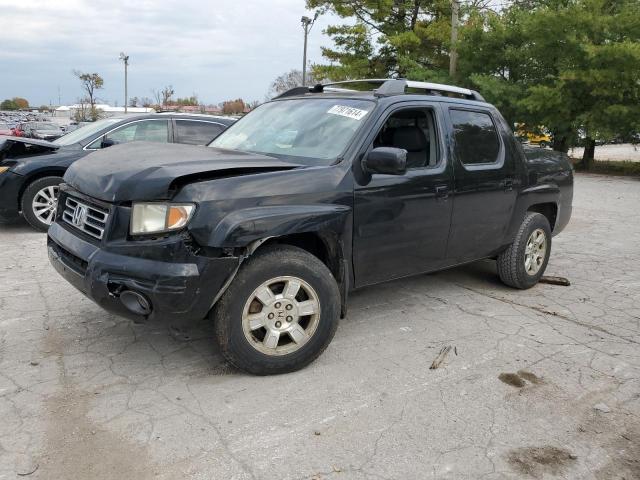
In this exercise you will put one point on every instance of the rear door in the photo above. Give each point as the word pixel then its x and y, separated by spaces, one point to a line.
pixel 401 222
pixel 484 193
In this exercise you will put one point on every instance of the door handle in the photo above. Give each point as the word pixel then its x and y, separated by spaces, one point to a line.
pixel 508 184
pixel 442 191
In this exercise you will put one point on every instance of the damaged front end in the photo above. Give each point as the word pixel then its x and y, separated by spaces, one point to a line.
pixel 151 278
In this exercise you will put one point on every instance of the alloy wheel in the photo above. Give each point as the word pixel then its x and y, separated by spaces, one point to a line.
pixel 45 203
pixel 281 315
pixel 535 251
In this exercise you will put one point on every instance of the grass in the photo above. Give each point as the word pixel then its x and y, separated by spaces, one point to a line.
pixel 609 167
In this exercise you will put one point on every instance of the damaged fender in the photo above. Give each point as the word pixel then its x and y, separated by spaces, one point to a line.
pixel 242 227
pixel 251 227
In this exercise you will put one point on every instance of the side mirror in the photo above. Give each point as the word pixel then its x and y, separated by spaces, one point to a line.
pixel 107 142
pixel 387 160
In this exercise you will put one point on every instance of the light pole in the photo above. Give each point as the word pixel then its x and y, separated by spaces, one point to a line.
pixel 307 23
pixel 453 54
pixel 125 59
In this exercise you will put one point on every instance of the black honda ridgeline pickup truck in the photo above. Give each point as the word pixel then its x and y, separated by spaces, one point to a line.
pixel 321 191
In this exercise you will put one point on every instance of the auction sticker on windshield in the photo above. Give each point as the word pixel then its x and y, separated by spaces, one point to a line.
pixel 349 112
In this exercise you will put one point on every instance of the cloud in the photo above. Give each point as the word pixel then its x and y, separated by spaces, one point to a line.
pixel 218 49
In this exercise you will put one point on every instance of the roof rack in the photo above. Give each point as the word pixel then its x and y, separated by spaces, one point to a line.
pixel 386 87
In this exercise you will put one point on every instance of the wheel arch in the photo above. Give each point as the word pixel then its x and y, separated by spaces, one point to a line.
pixel 548 209
pixel 327 248
pixel 37 175
pixel 323 231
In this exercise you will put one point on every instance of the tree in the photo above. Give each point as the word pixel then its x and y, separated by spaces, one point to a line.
pixel 146 102
pixel 404 38
pixel 133 101
pixel 163 96
pixel 167 92
pixel 570 66
pixel 232 107
pixel 157 96
pixel 191 101
pixel 8 105
pixel 90 83
pixel 287 81
pixel 16 103
pixel 82 112
pixel 21 103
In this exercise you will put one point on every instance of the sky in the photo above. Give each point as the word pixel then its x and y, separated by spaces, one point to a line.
pixel 218 49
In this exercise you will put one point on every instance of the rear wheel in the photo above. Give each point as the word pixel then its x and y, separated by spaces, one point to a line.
pixel 524 262
pixel 280 312
pixel 40 201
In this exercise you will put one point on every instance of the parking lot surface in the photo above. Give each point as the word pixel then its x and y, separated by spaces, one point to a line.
pixel 543 383
pixel 625 152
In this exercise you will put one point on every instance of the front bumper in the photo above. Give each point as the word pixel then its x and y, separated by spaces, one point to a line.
pixel 178 286
pixel 10 186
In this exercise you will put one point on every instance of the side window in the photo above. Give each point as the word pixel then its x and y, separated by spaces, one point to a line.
pixel 145 131
pixel 412 129
pixel 476 139
pixel 197 132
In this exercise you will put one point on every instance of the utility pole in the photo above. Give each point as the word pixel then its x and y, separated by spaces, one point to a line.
pixel 59 96
pixel 453 54
pixel 125 59
pixel 307 23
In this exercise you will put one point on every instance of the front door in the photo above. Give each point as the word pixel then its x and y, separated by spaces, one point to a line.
pixel 401 222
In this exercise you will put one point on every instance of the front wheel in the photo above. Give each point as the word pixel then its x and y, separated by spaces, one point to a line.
pixel 524 262
pixel 40 201
pixel 280 312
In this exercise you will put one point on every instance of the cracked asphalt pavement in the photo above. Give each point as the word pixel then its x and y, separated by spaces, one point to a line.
pixel 543 383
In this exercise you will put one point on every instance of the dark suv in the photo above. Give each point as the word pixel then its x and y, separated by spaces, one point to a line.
pixel 306 198
pixel 31 170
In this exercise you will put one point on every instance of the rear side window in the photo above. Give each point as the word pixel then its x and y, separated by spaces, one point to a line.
pixel 476 139
pixel 197 133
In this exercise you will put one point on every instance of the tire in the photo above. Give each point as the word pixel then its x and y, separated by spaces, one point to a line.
pixel 543 144
pixel 40 191
pixel 513 267
pixel 239 310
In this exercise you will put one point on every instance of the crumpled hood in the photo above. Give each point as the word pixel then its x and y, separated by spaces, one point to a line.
pixel 141 171
pixel 21 149
pixel 5 142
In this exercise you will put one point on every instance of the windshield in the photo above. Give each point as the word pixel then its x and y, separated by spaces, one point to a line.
pixel 314 131
pixel 85 132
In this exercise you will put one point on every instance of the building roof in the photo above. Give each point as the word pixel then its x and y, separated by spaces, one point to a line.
pixel 105 108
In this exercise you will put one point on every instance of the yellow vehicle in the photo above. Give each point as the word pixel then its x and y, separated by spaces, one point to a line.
pixel 538 138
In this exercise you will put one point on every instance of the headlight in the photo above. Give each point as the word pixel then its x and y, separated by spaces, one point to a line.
pixel 4 169
pixel 159 217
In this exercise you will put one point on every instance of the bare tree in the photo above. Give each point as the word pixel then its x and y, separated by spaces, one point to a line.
pixel 85 112
pixel 163 95
pixel 146 102
pixel 167 92
pixel 287 81
pixel 90 83
pixel 157 96
pixel 81 112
